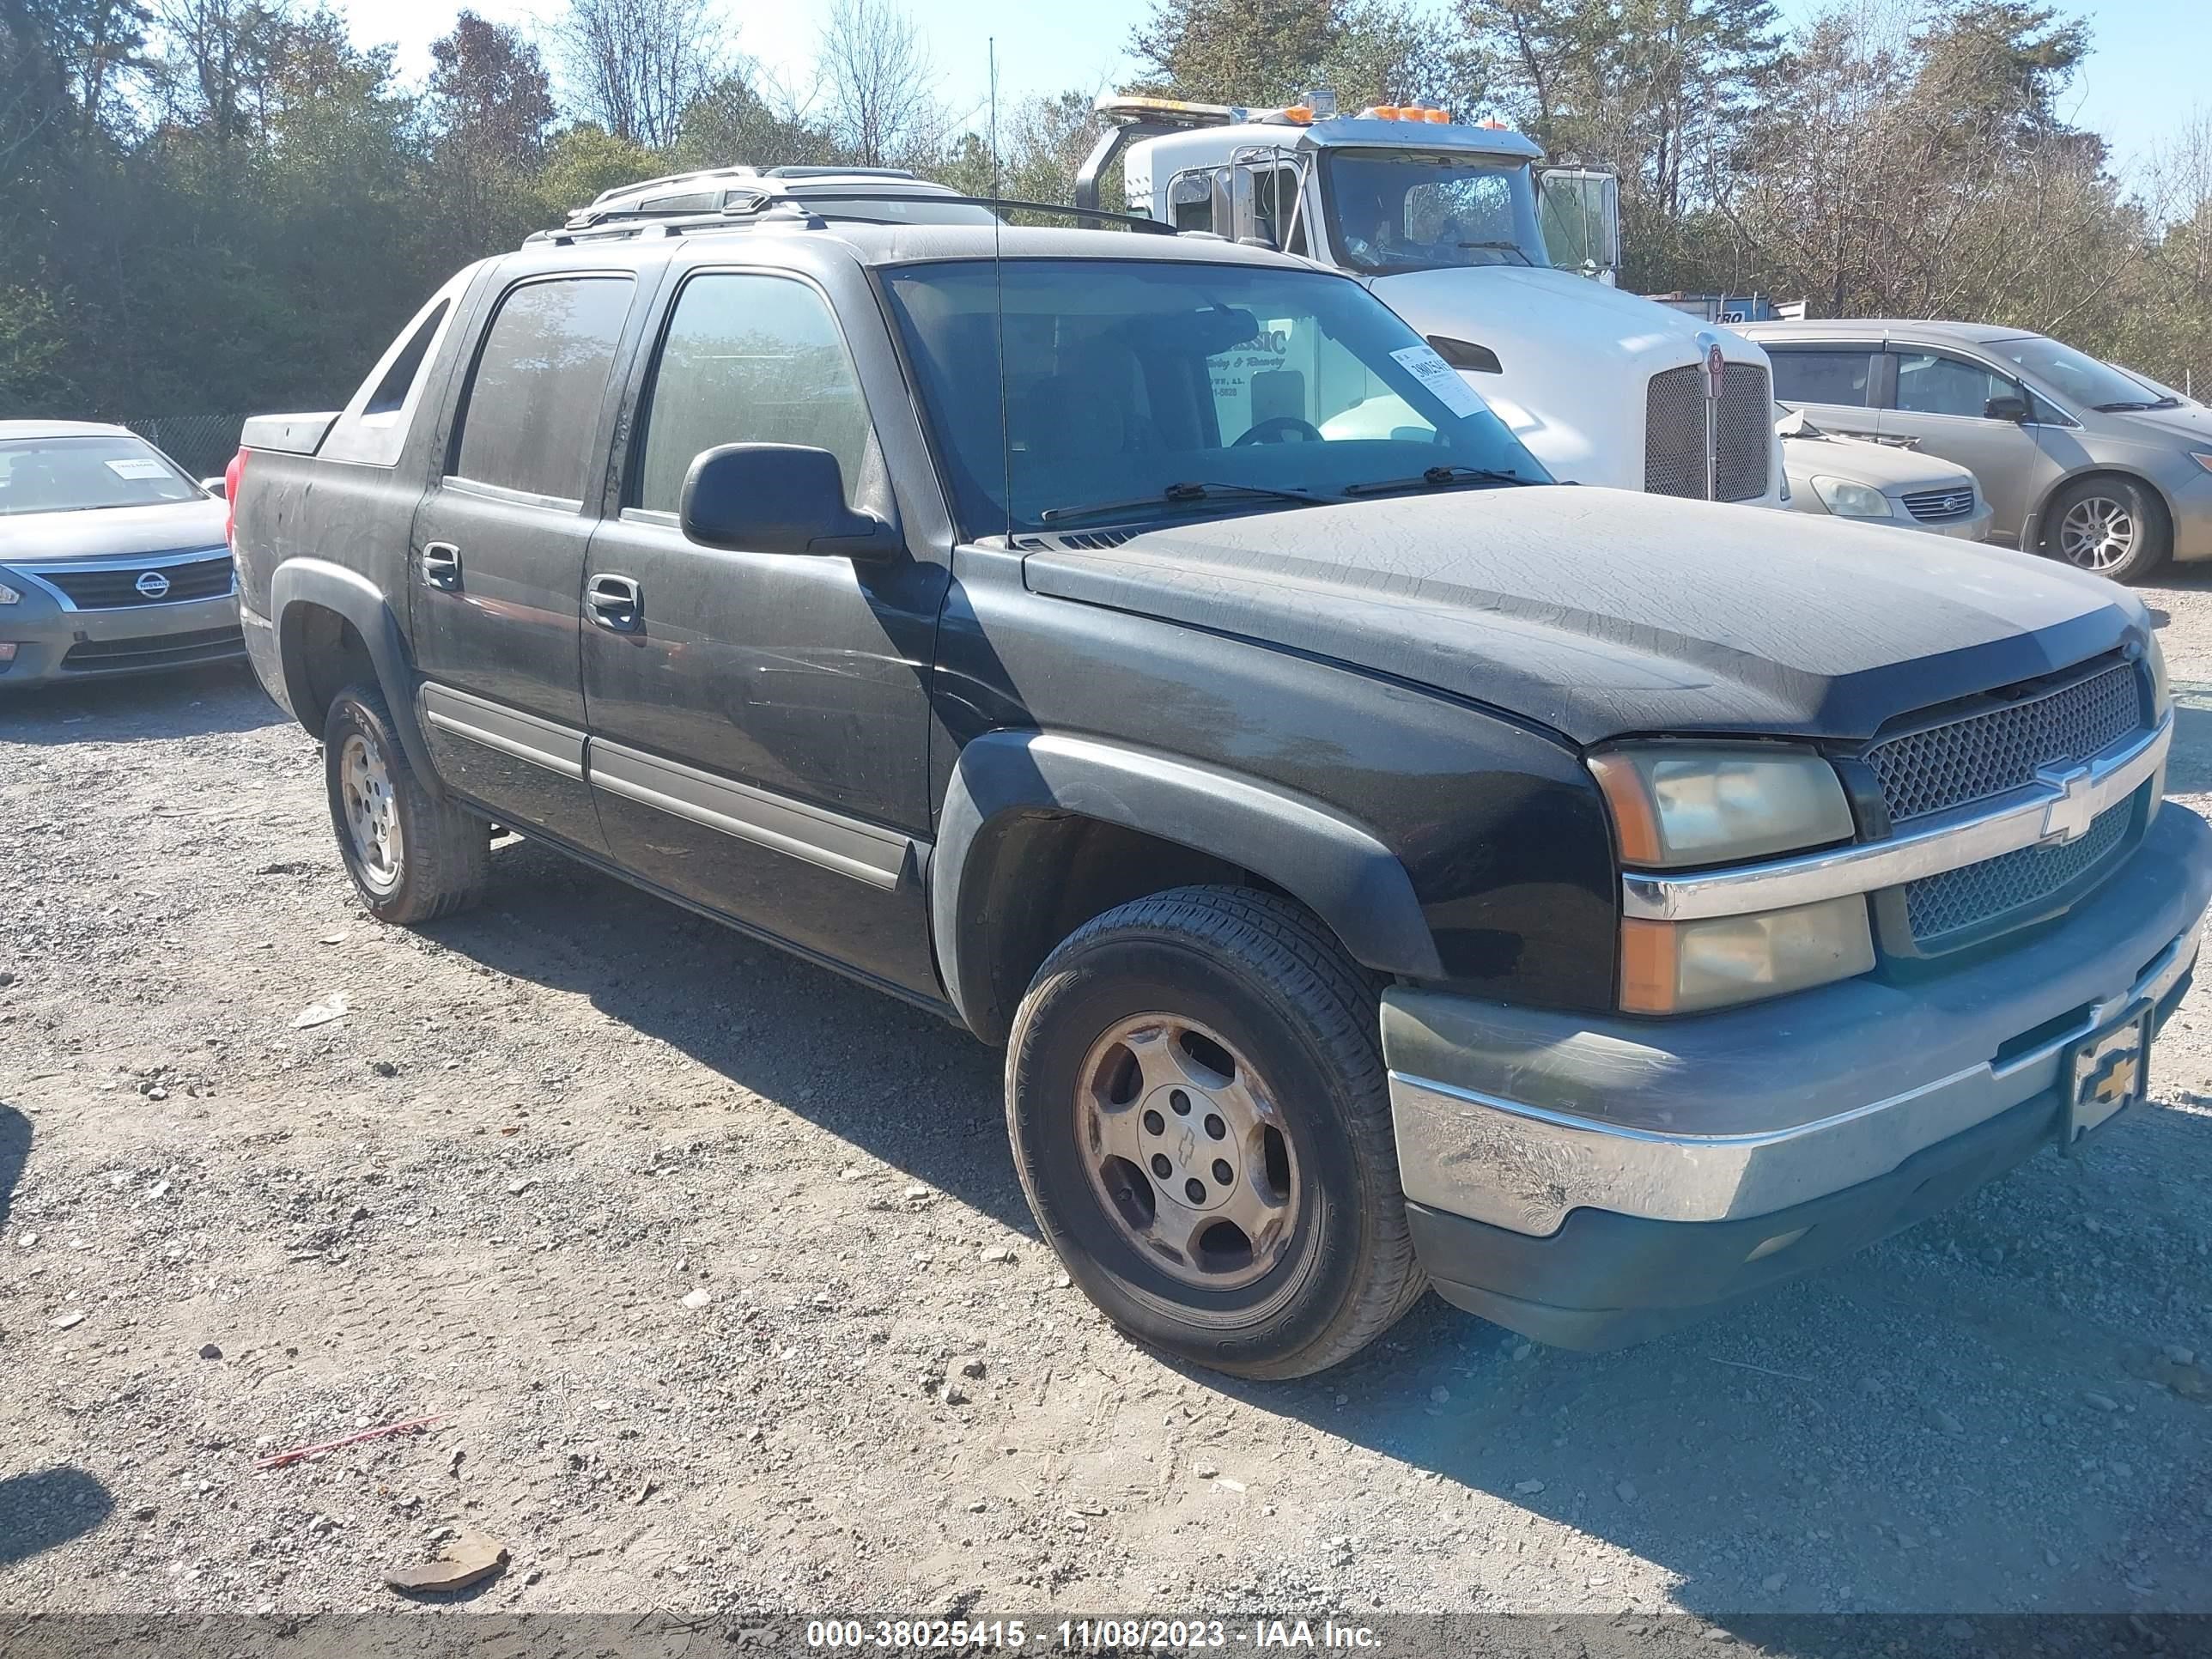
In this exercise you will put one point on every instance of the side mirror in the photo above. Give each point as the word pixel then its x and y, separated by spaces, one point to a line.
pixel 217 487
pixel 2005 408
pixel 778 498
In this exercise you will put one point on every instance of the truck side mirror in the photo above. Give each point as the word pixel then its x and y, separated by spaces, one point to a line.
pixel 778 498
pixel 2005 409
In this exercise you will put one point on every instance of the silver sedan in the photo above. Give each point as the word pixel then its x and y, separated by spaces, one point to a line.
pixel 112 560
pixel 1878 483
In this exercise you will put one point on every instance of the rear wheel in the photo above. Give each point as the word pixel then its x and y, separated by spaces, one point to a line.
pixel 2112 527
pixel 413 856
pixel 1196 1099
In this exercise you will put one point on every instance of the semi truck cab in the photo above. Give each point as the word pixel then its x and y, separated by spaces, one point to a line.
pixel 1447 222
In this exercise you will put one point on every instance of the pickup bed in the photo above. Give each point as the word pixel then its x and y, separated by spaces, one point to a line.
pixel 1383 866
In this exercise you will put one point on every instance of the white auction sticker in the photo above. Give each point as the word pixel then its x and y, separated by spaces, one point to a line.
pixel 1441 378
pixel 138 469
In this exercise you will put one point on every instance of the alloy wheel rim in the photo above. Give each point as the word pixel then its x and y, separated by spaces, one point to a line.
pixel 1186 1150
pixel 371 816
pixel 2096 533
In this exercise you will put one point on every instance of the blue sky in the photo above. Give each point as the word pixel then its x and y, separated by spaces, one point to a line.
pixel 2145 79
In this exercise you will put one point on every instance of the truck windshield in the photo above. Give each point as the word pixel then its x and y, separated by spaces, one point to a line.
pixel 1141 390
pixel 1398 210
pixel 76 474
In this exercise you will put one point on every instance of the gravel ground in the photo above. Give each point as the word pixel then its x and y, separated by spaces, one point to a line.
pixel 716 1271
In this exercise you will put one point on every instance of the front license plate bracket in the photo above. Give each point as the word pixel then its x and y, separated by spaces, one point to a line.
pixel 2110 1073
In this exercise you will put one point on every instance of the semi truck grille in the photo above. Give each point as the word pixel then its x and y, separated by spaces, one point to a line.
pixel 2000 749
pixel 1675 433
pixel 1971 900
pixel 1990 753
pixel 1941 506
pixel 152 583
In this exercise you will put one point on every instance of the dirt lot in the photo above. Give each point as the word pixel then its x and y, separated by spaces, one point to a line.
pixel 714 1267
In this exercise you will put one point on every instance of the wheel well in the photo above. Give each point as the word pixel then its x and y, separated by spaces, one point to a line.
pixel 2032 539
pixel 323 655
pixel 1034 877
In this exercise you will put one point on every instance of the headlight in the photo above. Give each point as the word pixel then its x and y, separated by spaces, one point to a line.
pixel 1683 967
pixel 1847 499
pixel 2202 458
pixel 8 595
pixel 1677 804
pixel 1699 804
pixel 2161 688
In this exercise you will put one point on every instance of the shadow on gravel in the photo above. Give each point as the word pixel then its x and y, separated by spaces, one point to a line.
pixel 14 1153
pixel 1895 1434
pixel 48 1507
pixel 896 1081
pixel 188 703
pixel 2188 769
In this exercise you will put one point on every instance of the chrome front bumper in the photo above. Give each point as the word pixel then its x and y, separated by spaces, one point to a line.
pixel 1516 1117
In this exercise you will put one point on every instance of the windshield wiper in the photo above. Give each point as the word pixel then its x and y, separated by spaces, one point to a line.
pixel 1437 477
pixel 1180 494
pixel 2128 407
pixel 1502 247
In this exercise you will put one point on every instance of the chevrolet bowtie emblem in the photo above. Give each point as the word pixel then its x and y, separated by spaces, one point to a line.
pixel 2118 1082
pixel 2068 818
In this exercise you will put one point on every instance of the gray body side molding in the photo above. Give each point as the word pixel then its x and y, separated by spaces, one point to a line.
pixel 353 596
pixel 1350 879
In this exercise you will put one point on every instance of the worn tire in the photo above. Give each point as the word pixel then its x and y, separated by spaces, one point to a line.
pixel 1274 983
pixel 2152 529
pixel 441 855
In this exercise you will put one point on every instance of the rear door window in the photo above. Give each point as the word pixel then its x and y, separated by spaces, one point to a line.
pixel 1822 376
pixel 533 410
pixel 749 359
pixel 1929 383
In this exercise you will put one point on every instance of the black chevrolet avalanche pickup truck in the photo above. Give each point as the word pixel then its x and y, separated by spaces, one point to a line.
pixel 1384 865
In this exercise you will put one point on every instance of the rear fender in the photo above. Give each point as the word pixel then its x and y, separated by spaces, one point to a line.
pixel 302 582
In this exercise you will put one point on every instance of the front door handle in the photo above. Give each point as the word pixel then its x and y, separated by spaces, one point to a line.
pixel 615 603
pixel 441 566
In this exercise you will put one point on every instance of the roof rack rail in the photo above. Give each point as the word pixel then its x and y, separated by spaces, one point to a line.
pixel 813 211
pixel 841 172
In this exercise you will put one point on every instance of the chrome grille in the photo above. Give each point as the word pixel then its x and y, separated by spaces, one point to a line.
pixel 112 587
pixel 1941 506
pixel 1675 433
pixel 1988 892
pixel 2000 749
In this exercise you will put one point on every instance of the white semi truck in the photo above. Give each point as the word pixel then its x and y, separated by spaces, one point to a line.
pixel 1448 223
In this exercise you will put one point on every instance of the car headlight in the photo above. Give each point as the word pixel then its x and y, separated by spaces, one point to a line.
pixel 2161 688
pixel 1684 967
pixel 1680 803
pixel 2202 458
pixel 8 595
pixel 1676 805
pixel 1847 499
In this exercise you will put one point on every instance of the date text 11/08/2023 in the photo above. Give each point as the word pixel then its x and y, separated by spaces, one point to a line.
pixel 1088 1635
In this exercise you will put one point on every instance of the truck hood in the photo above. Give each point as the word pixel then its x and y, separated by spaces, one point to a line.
pixel 109 531
pixel 1598 613
pixel 1575 354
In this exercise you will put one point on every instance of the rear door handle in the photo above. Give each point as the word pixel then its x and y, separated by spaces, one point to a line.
pixel 441 566
pixel 616 604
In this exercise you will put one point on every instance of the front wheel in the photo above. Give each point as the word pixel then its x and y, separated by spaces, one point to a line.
pixel 2112 527
pixel 1196 1099
pixel 414 856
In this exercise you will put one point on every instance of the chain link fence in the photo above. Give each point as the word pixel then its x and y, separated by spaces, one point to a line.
pixel 201 444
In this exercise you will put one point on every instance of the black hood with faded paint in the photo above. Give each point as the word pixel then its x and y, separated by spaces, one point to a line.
pixel 1598 613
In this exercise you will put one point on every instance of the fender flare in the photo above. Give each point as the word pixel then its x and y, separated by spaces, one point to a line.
pixel 360 602
pixel 1327 862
